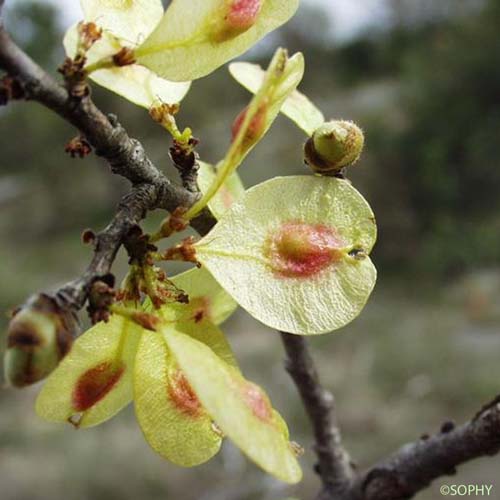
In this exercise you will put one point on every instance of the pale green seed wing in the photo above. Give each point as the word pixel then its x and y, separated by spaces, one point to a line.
pixel 211 335
pixel 189 42
pixel 170 415
pixel 188 320
pixel 207 299
pixel 131 20
pixel 228 193
pixel 286 83
pixel 140 86
pixel 294 253
pixel 297 106
pixel 94 381
pixel 282 78
pixel 241 409
pixel 135 83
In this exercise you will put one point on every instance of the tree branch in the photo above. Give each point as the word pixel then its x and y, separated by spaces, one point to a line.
pixel 416 465
pixel 334 467
pixel 126 156
pixel 406 472
pixel 131 210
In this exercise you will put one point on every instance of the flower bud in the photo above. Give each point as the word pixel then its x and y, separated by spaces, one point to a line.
pixel 39 336
pixel 333 146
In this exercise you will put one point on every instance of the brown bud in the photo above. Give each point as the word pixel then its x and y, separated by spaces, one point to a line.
pixel 125 57
pixel 75 76
pixel 175 223
pixel 184 252
pixel 39 336
pixel 88 237
pixel 101 296
pixel 10 89
pixel 89 33
pixel 78 146
pixel 164 112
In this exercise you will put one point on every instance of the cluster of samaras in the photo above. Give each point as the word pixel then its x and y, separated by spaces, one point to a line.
pixel 292 251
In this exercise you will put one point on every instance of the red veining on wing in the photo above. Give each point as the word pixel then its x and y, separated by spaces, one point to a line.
pixel 257 401
pixel 94 384
pixel 182 395
pixel 256 127
pixel 243 14
pixel 301 250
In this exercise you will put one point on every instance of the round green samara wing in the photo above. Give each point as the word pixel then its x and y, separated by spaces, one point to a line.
pixel 129 19
pixel 134 82
pixel 294 253
pixel 241 409
pixel 195 37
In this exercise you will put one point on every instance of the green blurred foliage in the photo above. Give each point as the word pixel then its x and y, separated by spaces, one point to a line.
pixel 453 80
pixel 446 151
pixel 34 25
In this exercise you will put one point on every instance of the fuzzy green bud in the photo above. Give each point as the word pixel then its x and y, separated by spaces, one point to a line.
pixel 39 336
pixel 333 146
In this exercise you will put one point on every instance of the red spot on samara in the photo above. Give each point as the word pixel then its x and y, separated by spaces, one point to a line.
pixel 200 307
pixel 258 402
pixel 256 127
pixel 243 14
pixel 235 17
pixel 301 250
pixel 198 316
pixel 94 384
pixel 182 395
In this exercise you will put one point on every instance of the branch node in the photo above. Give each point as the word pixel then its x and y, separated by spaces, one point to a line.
pixel 10 90
pixel 447 427
pixel 75 77
pixel 186 160
pixel 89 237
pixel 101 298
pixel 113 120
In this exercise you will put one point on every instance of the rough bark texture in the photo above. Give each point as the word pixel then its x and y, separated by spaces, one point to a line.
pixel 131 210
pixel 126 156
pixel 334 465
pixel 400 476
pixel 416 465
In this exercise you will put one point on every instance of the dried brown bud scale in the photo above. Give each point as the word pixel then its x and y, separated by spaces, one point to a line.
pixel 89 237
pixel 101 296
pixel 75 76
pixel 78 147
pixel 125 57
pixel 10 89
pixel 89 34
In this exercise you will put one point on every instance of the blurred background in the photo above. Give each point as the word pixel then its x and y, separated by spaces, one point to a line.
pixel 423 80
